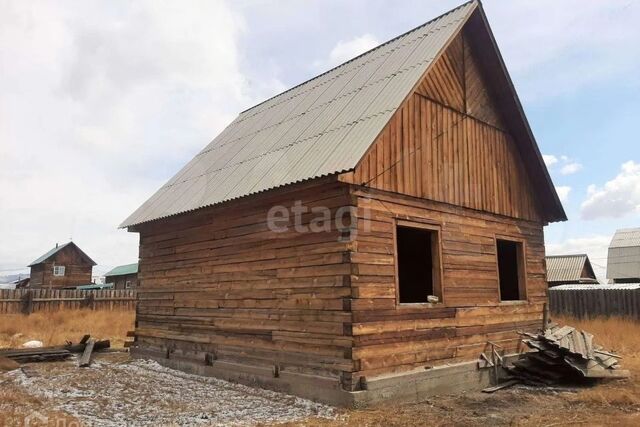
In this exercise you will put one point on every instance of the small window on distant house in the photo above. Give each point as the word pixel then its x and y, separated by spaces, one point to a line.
pixel 510 270
pixel 58 270
pixel 418 265
pixel 127 284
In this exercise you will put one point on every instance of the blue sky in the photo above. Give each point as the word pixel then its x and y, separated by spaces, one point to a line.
pixel 103 101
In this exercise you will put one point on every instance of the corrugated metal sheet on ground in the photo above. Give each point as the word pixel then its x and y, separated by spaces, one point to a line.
pixel 321 127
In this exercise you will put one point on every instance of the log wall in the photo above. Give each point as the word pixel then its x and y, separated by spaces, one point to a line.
pixel 218 284
pixel 77 270
pixel 391 337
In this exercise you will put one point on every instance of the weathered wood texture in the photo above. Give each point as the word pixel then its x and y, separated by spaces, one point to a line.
pixel 589 303
pixel 34 300
pixel 77 270
pixel 444 145
pixel 389 337
pixel 218 284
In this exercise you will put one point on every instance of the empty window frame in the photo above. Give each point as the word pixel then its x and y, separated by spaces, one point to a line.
pixel 511 270
pixel 418 263
pixel 127 284
pixel 58 270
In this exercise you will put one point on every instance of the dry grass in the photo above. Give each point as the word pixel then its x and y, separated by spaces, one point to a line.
pixel 613 402
pixel 622 336
pixel 57 327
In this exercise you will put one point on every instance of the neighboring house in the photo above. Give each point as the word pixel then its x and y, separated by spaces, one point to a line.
pixel 623 260
pixel 357 230
pixel 22 283
pixel 63 266
pixel 123 276
pixel 570 269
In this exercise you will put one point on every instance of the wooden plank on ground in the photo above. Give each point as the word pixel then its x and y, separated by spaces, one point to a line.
pixel 85 359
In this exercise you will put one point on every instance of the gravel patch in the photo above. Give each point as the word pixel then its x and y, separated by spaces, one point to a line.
pixel 142 392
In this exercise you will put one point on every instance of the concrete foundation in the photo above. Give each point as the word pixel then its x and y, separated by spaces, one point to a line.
pixel 407 387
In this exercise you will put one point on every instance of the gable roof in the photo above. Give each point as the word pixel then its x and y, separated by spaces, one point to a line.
pixel 57 249
pixel 321 127
pixel 625 238
pixel 568 268
pixel 623 258
pixel 122 270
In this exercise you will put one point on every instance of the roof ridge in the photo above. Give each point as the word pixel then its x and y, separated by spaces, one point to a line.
pixel 564 256
pixel 48 254
pixel 362 54
pixel 367 89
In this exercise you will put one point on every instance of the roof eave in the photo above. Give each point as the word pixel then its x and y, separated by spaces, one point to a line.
pixel 558 213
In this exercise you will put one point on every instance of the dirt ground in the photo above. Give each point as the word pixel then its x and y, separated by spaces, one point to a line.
pixel 119 391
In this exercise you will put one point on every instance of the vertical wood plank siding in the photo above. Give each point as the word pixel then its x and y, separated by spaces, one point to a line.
pixel 590 303
pixel 447 144
pixel 447 156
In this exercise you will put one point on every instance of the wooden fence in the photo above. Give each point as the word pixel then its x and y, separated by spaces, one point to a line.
pixel 31 300
pixel 593 301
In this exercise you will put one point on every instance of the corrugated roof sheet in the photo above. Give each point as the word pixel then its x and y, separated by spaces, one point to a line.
pixel 57 249
pixel 565 268
pixel 49 254
pixel 94 286
pixel 612 286
pixel 625 238
pixel 122 270
pixel 318 128
pixel 623 259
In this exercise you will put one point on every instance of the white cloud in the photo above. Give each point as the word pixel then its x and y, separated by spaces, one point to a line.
pixel 101 103
pixel 549 159
pixel 567 165
pixel 563 192
pixel 616 198
pixel 548 53
pixel 571 168
pixel 595 246
pixel 346 50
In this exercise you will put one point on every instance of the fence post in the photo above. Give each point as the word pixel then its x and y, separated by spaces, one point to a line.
pixel 27 302
pixel 89 301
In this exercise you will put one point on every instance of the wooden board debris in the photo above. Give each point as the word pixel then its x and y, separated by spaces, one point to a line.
pixel 564 354
pixel 85 359
pixel 55 353
pixel 7 364
pixel 506 384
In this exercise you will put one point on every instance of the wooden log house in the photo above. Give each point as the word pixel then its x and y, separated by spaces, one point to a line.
pixel 63 266
pixel 123 276
pixel 433 245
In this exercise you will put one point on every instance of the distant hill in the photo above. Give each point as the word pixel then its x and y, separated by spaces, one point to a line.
pixel 10 278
